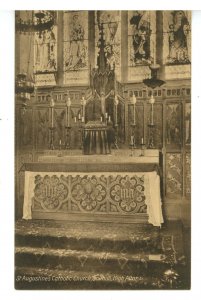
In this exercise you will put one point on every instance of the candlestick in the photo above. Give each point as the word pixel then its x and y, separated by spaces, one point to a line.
pixel 68 135
pixel 82 119
pixel 75 119
pixel 68 104
pixel 109 119
pixel 66 115
pixel 101 119
pixel 154 53
pixel 52 111
pixel 83 104
pixel 68 110
pixel 52 117
pixel 115 114
pixel 152 114
pixel 134 114
pixel 116 102
pixel 106 115
pixel 51 145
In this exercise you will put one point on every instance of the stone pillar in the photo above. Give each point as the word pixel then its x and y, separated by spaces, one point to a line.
pixel 124 46
pixel 60 58
pixel 24 47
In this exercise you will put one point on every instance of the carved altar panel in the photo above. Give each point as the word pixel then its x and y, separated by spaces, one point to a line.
pixel 75 61
pixel 50 193
pixel 139 130
pixel 173 125
pixel 25 128
pixel 173 173
pixel 158 121
pixel 141 43
pixel 42 123
pixel 89 193
pixel 176 37
pixel 188 174
pixel 187 123
pixel 127 194
pixel 111 21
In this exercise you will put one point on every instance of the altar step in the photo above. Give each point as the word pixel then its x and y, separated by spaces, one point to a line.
pixel 149 244
pixel 97 256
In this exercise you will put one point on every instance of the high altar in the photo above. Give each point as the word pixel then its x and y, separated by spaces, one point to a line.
pixel 100 181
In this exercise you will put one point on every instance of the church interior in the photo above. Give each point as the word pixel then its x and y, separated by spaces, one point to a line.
pixel 102 150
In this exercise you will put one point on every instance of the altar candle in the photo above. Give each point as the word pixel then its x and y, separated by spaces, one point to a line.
pixel 142 141
pixel 131 140
pixel 101 119
pixel 75 119
pixel 134 102
pixel 60 142
pixel 106 115
pixel 79 116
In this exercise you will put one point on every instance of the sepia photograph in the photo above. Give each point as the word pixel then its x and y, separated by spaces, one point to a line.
pixel 102 149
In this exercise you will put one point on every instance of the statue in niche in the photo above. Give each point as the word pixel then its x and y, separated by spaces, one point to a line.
pixel 110 56
pixel 77 51
pixel 45 52
pixel 141 37
pixel 178 38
